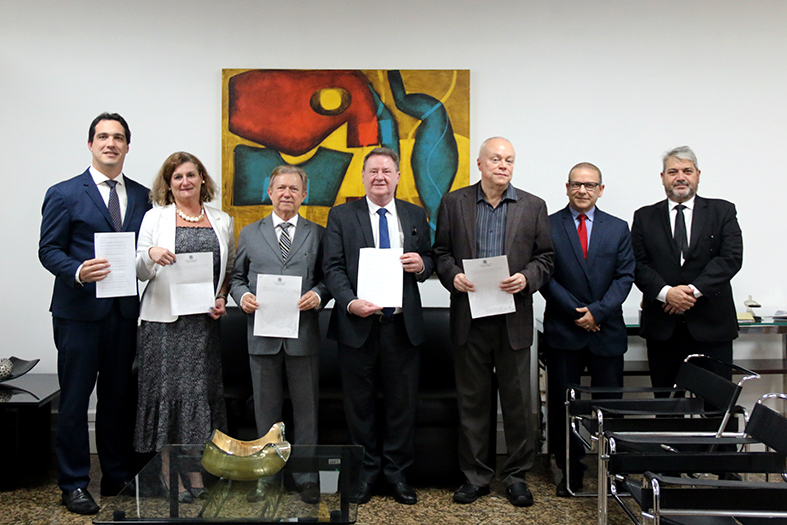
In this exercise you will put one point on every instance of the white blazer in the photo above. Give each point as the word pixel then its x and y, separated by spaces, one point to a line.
pixel 158 229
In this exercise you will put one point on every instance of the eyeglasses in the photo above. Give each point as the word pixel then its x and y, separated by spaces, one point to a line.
pixel 590 186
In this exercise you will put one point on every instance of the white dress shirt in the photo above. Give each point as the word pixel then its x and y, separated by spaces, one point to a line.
pixel 688 215
pixel 103 188
pixel 395 234
pixel 278 220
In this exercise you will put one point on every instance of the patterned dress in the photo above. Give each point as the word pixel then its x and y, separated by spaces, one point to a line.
pixel 181 393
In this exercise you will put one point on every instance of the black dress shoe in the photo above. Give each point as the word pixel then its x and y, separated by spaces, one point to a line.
pixel 562 489
pixel 468 492
pixel 310 492
pixel 404 493
pixel 363 495
pixel 519 495
pixel 80 501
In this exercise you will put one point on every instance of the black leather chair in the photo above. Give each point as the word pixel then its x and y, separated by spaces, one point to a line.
pixel 437 415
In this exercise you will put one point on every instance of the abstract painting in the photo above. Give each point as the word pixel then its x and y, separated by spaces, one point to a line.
pixel 326 121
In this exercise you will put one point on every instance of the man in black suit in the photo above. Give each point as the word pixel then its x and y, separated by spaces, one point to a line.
pixel 95 338
pixel 374 340
pixel 583 319
pixel 488 219
pixel 687 249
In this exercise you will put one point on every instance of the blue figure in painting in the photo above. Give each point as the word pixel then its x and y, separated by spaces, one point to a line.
pixel 435 156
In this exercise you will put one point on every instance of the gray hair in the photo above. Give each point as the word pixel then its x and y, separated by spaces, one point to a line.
pixel 586 166
pixel 285 169
pixel 681 152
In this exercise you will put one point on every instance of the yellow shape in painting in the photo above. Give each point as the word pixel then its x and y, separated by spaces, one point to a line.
pixel 330 99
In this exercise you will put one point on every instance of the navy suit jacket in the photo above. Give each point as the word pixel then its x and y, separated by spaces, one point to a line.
pixel 601 282
pixel 73 211
pixel 715 256
pixel 349 229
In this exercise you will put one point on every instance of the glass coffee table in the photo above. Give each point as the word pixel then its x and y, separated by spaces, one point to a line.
pixel 335 469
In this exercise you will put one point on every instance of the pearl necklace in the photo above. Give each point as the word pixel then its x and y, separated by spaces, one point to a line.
pixel 189 217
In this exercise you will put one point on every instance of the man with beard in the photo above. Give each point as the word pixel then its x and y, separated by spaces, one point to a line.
pixel 687 248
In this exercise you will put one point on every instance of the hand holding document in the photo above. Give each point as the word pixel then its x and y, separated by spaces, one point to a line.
pixel 486 276
pixel 380 276
pixel 191 284
pixel 278 314
pixel 118 249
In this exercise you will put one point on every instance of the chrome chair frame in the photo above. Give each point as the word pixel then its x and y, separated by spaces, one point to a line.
pixel 633 417
pixel 674 497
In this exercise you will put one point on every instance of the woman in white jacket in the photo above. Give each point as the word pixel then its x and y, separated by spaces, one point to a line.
pixel 181 397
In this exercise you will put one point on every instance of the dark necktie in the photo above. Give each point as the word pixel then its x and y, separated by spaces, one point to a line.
pixel 680 231
pixel 284 240
pixel 114 205
pixel 583 234
pixel 385 242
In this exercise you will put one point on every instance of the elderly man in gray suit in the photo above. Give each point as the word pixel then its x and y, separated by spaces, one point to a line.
pixel 284 243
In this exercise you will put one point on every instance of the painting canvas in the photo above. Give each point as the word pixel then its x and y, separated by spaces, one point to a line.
pixel 326 121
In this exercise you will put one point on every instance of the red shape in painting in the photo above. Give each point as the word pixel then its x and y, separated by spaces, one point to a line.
pixel 272 108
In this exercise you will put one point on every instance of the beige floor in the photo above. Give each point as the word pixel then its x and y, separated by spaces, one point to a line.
pixel 37 502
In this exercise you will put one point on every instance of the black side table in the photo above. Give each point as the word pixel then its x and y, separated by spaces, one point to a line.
pixel 25 426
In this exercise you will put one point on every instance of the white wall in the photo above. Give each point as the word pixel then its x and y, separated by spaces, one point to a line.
pixel 615 83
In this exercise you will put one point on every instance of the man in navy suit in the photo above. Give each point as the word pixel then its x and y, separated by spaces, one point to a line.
pixel 688 249
pixel 583 320
pixel 95 338
pixel 376 341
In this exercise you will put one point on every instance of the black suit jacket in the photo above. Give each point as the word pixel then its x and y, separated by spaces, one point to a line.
pixel 601 282
pixel 73 211
pixel 715 256
pixel 527 245
pixel 348 230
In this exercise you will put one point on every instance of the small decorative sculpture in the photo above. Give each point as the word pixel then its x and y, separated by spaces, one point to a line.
pixel 750 305
pixel 14 367
pixel 233 459
pixel 6 369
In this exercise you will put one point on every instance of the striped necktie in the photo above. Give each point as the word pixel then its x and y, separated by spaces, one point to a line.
pixel 284 240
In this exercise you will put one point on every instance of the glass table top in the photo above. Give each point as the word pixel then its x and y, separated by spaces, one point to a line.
pixel 275 499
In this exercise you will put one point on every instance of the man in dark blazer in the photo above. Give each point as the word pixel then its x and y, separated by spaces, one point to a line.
pixel 95 338
pixel 284 243
pixel 375 340
pixel 489 219
pixel 688 249
pixel 583 319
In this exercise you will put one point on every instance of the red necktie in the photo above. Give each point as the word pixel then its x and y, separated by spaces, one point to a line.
pixel 583 235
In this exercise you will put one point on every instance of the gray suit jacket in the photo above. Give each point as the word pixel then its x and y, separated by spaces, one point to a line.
pixel 527 245
pixel 258 252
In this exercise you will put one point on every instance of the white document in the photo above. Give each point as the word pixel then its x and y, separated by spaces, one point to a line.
pixel 191 284
pixel 278 314
pixel 486 276
pixel 119 249
pixel 381 276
